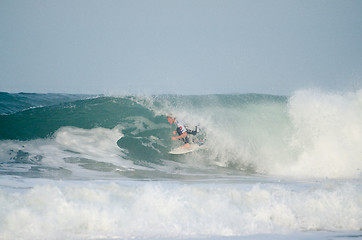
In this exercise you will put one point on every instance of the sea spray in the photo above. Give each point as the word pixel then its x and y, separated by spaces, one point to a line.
pixel 327 134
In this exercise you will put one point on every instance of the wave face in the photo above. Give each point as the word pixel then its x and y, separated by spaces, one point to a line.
pixel 310 134
pixel 14 102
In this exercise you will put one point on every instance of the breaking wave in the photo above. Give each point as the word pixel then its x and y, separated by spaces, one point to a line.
pixel 309 134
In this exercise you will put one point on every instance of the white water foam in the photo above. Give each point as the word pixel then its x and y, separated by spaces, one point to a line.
pixel 128 210
pixel 97 144
pixel 94 143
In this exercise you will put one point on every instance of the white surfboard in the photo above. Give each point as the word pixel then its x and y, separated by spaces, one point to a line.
pixel 181 150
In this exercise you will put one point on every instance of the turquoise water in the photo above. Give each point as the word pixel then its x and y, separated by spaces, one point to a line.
pixel 97 167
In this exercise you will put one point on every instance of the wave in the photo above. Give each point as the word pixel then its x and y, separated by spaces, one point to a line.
pixel 310 134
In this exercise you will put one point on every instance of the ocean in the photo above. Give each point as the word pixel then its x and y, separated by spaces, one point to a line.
pixel 97 167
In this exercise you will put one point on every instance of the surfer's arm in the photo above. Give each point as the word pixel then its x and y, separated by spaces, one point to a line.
pixel 180 137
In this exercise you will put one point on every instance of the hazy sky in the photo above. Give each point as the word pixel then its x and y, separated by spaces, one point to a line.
pixel 186 47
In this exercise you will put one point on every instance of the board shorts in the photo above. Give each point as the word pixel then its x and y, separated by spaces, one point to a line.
pixel 179 132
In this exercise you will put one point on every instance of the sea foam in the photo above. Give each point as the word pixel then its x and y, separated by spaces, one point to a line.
pixel 128 210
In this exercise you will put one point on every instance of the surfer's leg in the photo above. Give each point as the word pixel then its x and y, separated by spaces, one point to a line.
pixel 186 141
pixel 187 145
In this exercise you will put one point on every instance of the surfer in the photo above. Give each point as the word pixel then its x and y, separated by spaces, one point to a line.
pixel 181 130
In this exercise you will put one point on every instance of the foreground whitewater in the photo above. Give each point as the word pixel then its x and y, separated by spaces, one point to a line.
pixel 97 167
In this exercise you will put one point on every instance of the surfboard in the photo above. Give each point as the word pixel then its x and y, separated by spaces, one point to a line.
pixel 181 150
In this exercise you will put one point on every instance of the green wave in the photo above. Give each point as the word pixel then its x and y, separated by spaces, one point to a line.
pixel 146 132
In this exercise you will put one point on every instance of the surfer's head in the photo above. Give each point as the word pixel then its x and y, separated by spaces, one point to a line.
pixel 170 118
